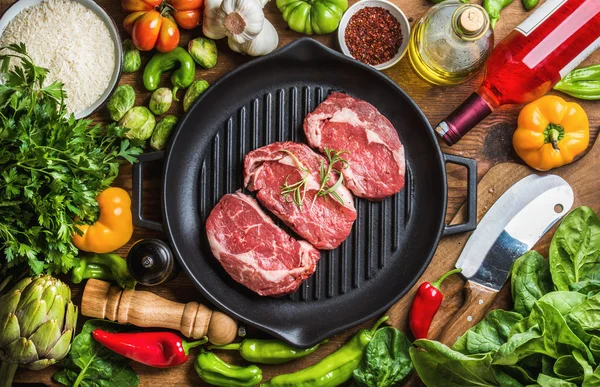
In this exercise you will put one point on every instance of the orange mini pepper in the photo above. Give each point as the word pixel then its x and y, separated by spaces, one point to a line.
pixel 551 133
pixel 114 226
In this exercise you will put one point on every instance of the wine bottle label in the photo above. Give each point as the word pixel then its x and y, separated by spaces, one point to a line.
pixel 580 58
pixel 538 17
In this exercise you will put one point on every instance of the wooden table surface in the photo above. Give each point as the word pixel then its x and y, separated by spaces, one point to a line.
pixel 489 143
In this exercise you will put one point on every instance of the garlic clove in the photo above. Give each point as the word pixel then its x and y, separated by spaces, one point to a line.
pixel 264 43
pixel 242 19
pixel 211 26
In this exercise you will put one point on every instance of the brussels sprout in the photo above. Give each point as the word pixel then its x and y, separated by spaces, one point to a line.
pixel 162 132
pixel 140 122
pixel 160 101
pixel 204 52
pixel 120 102
pixel 193 92
pixel 131 57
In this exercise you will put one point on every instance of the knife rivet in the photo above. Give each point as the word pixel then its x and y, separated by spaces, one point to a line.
pixel 480 301
pixel 469 318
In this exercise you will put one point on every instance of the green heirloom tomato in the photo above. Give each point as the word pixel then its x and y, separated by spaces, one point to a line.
pixel 193 92
pixel 162 132
pixel 160 101
pixel 313 16
pixel 120 102
pixel 131 57
pixel 204 52
pixel 140 122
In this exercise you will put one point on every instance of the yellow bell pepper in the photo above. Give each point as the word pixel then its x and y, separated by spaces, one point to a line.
pixel 114 226
pixel 551 133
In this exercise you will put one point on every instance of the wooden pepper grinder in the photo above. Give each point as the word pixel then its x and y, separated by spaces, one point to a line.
pixel 145 309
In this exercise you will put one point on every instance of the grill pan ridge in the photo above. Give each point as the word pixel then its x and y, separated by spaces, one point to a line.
pixel 265 101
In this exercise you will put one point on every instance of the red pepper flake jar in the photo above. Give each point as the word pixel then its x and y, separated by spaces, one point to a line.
pixel 373 35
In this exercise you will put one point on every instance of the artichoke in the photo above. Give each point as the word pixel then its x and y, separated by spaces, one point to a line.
pixel 37 323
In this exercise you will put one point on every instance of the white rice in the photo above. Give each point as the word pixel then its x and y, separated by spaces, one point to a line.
pixel 72 42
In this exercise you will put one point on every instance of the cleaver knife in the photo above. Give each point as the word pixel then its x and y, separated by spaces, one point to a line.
pixel 514 223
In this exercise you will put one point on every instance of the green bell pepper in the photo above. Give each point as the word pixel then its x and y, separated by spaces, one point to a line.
pixel 109 267
pixel 313 16
pixel 213 370
pixel 162 62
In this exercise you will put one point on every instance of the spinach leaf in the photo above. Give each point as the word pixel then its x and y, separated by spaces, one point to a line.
pixel 588 287
pixel 90 364
pixel 572 368
pixel 564 302
pixel 489 334
pixel 548 381
pixel 575 249
pixel 530 280
pixel 544 332
pixel 386 360
pixel 592 380
pixel 440 366
pixel 587 313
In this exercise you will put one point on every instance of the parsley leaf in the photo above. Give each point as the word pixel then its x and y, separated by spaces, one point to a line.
pixel 52 167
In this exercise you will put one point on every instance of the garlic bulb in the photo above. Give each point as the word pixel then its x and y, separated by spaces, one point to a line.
pixel 240 20
pixel 263 44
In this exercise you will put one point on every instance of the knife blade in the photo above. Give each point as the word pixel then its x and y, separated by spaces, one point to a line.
pixel 511 227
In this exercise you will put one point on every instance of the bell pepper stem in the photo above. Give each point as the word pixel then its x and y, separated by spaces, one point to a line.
pixel 233 346
pixel 7 373
pixel 438 283
pixel 187 346
pixel 554 138
pixel 175 89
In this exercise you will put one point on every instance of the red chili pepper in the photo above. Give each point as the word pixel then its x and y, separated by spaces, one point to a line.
pixel 155 349
pixel 426 304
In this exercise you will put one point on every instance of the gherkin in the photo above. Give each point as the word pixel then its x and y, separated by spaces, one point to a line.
pixel 37 323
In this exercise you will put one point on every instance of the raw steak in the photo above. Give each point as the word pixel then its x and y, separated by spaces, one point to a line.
pixel 322 220
pixel 376 156
pixel 254 250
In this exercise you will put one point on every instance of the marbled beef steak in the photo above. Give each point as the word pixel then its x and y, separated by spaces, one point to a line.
pixel 254 250
pixel 325 221
pixel 376 156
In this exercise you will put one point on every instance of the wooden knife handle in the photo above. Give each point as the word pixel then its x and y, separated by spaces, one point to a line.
pixel 145 309
pixel 478 300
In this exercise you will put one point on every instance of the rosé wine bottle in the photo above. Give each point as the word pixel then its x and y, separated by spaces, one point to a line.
pixel 529 61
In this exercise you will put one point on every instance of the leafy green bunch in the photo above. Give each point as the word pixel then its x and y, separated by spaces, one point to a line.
pixel 52 167
pixel 551 339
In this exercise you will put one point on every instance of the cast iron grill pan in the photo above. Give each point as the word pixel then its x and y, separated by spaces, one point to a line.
pixel 266 101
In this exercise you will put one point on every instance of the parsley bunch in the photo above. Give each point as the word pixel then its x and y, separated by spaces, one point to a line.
pixel 52 167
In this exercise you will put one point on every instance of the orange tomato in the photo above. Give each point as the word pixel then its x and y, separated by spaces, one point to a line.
pixel 139 5
pixel 130 21
pixel 188 13
pixel 188 19
pixel 168 37
pixel 186 5
pixel 146 30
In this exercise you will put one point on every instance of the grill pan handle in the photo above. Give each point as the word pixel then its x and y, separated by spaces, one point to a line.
pixel 471 222
pixel 138 191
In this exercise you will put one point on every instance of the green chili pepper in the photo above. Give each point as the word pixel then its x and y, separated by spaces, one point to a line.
pixel 334 369
pixel 103 266
pixel 583 83
pixel 267 351
pixel 161 62
pixel 530 4
pixel 493 8
pixel 213 370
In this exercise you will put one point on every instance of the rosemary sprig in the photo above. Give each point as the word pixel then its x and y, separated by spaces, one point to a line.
pixel 333 157
pixel 297 191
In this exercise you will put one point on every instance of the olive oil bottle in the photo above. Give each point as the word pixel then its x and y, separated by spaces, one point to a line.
pixel 450 43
